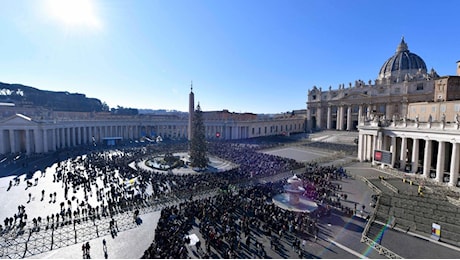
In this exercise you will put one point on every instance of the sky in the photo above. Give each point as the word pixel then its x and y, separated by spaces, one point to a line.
pixel 259 56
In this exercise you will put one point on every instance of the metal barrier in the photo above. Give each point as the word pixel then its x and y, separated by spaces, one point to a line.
pixel 381 249
pixel 365 239
pixel 371 185
pixel 43 238
pixel 389 186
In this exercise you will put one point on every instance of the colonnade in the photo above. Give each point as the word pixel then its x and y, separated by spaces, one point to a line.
pixel 433 156
pixel 44 138
pixel 343 117
pixel 347 116
pixel 20 134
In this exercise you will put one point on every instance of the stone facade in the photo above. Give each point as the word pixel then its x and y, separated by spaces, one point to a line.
pixel 403 79
pixel 422 138
pixel 24 134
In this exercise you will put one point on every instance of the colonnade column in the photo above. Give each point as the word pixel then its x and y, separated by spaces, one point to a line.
pixel 427 159
pixel 73 136
pixel 342 114
pixel 78 135
pixel 360 114
pixel 54 141
pixel 27 141
pixel 454 165
pixel 67 132
pixel 337 121
pixel 45 140
pixel 90 134
pixel 12 141
pixel 374 147
pixel 56 135
pixel 415 151
pixel 318 118
pixel 368 147
pixel 38 141
pixel 329 117
pixel 85 135
pixel 440 161
pixel 361 146
pixel 349 118
pixel 403 155
pixel 379 139
pixel 393 151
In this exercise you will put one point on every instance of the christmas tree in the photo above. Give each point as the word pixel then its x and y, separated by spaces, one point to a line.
pixel 198 147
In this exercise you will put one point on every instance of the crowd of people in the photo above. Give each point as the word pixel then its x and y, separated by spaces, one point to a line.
pixel 102 174
pixel 109 183
pixel 229 221
pixel 252 162
pixel 347 148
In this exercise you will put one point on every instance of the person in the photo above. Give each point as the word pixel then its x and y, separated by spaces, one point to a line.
pixel 136 214
pixel 83 249
pixel 87 247
pixel 104 247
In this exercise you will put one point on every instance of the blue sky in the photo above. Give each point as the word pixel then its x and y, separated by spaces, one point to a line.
pixel 244 56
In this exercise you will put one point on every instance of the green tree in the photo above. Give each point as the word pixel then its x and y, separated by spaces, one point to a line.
pixel 198 147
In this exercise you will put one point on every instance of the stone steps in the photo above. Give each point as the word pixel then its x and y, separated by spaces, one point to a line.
pixel 418 213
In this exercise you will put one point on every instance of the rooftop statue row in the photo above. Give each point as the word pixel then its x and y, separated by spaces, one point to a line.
pixel 382 121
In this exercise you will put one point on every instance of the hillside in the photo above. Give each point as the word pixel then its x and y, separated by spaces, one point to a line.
pixel 25 96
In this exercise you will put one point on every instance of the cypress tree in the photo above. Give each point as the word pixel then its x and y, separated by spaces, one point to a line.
pixel 198 147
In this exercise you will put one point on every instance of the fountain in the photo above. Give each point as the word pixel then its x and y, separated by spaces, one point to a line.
pixel 292 199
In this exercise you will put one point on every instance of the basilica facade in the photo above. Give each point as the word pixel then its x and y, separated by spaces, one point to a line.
pixel 417 133
pixel 402 79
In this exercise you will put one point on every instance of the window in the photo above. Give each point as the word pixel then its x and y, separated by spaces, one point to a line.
pixel 397 90
pixel 457 107
pixel 443 108
pixel 314 97
pixel 420 86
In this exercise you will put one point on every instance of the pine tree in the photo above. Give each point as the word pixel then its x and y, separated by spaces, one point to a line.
pixel 198 147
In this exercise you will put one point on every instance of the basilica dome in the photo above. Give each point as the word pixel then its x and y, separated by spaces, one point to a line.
pixel 401 63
